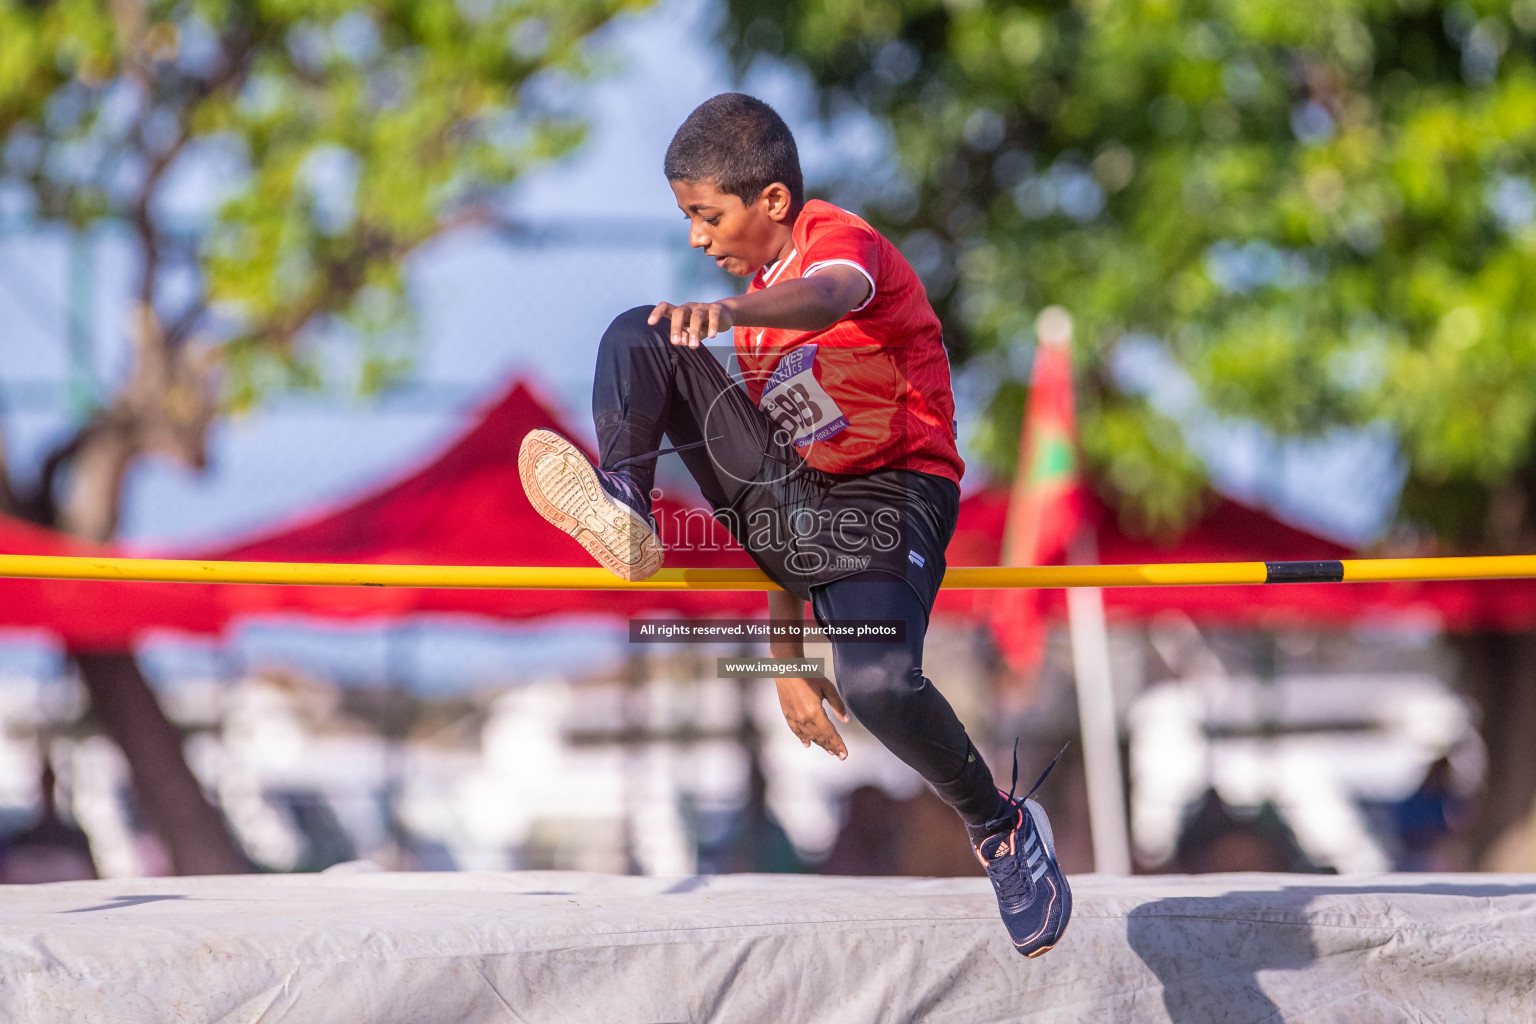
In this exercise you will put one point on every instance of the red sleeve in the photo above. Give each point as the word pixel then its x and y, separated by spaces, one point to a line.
pixel 848 245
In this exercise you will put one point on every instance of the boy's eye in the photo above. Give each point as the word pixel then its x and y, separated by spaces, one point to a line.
pixel 712 221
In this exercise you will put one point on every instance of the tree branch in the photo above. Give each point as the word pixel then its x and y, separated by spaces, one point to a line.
pixel 238 50
pixel 42 507
pixel 343 278
pixel 182 327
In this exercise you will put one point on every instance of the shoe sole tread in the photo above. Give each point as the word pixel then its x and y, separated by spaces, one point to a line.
pixel 562 486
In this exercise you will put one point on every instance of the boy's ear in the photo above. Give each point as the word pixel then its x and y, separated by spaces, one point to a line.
pixel 777 201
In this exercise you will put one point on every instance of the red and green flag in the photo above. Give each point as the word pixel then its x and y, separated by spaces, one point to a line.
pixel 1045 508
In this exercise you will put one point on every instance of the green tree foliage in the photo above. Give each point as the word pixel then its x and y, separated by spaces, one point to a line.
pixel 1324 210
pixel 341 135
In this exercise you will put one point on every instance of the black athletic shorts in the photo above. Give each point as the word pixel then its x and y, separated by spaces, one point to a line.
pixel 807 527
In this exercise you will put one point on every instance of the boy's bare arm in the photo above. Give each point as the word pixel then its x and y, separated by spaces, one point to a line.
pixel 804 304
pixel 785 607
pixel 799 698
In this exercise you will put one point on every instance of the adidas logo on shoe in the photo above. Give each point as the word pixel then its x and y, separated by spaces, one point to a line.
pixel 1020 857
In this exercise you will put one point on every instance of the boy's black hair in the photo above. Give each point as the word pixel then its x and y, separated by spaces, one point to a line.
pixel 739 143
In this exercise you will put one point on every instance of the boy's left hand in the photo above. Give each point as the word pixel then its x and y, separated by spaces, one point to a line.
pixel 800 700
pixel 693 322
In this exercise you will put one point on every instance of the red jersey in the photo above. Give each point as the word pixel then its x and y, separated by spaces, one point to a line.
pixel 872 390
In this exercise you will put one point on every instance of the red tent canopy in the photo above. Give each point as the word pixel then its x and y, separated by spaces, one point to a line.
pixel 90 616
pixel 466 506
pixel 1232 532
pixel 463 507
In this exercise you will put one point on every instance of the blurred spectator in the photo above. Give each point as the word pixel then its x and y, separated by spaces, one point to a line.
pixel 1217 839
pixel 49 851
pixel 885 836
pixel 1426 818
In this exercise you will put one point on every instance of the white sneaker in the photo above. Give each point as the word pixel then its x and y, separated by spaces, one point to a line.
pixel 585 502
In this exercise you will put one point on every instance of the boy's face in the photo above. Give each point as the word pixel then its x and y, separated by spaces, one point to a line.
pixel 739 237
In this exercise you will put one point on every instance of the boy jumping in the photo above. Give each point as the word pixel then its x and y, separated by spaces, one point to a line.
pixel 832 461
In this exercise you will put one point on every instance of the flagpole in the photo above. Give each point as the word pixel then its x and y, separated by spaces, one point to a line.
pixel 1100 728
pixel 1089 635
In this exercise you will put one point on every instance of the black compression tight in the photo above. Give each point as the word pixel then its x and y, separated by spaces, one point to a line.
pixel 884 687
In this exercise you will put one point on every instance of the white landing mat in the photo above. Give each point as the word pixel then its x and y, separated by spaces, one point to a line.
pixel 556 946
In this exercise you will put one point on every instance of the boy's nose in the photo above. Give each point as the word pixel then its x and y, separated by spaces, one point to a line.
pixel 698 239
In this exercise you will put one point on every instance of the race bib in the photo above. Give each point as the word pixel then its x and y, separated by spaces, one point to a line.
pixel 795 400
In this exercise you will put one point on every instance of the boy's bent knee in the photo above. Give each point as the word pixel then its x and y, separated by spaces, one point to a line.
pixel 631 327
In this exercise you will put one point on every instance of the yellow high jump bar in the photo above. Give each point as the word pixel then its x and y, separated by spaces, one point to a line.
pixel 1185 574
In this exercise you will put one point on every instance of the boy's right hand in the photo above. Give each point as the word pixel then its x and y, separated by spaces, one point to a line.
pixel 694 322
pixel 800 700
